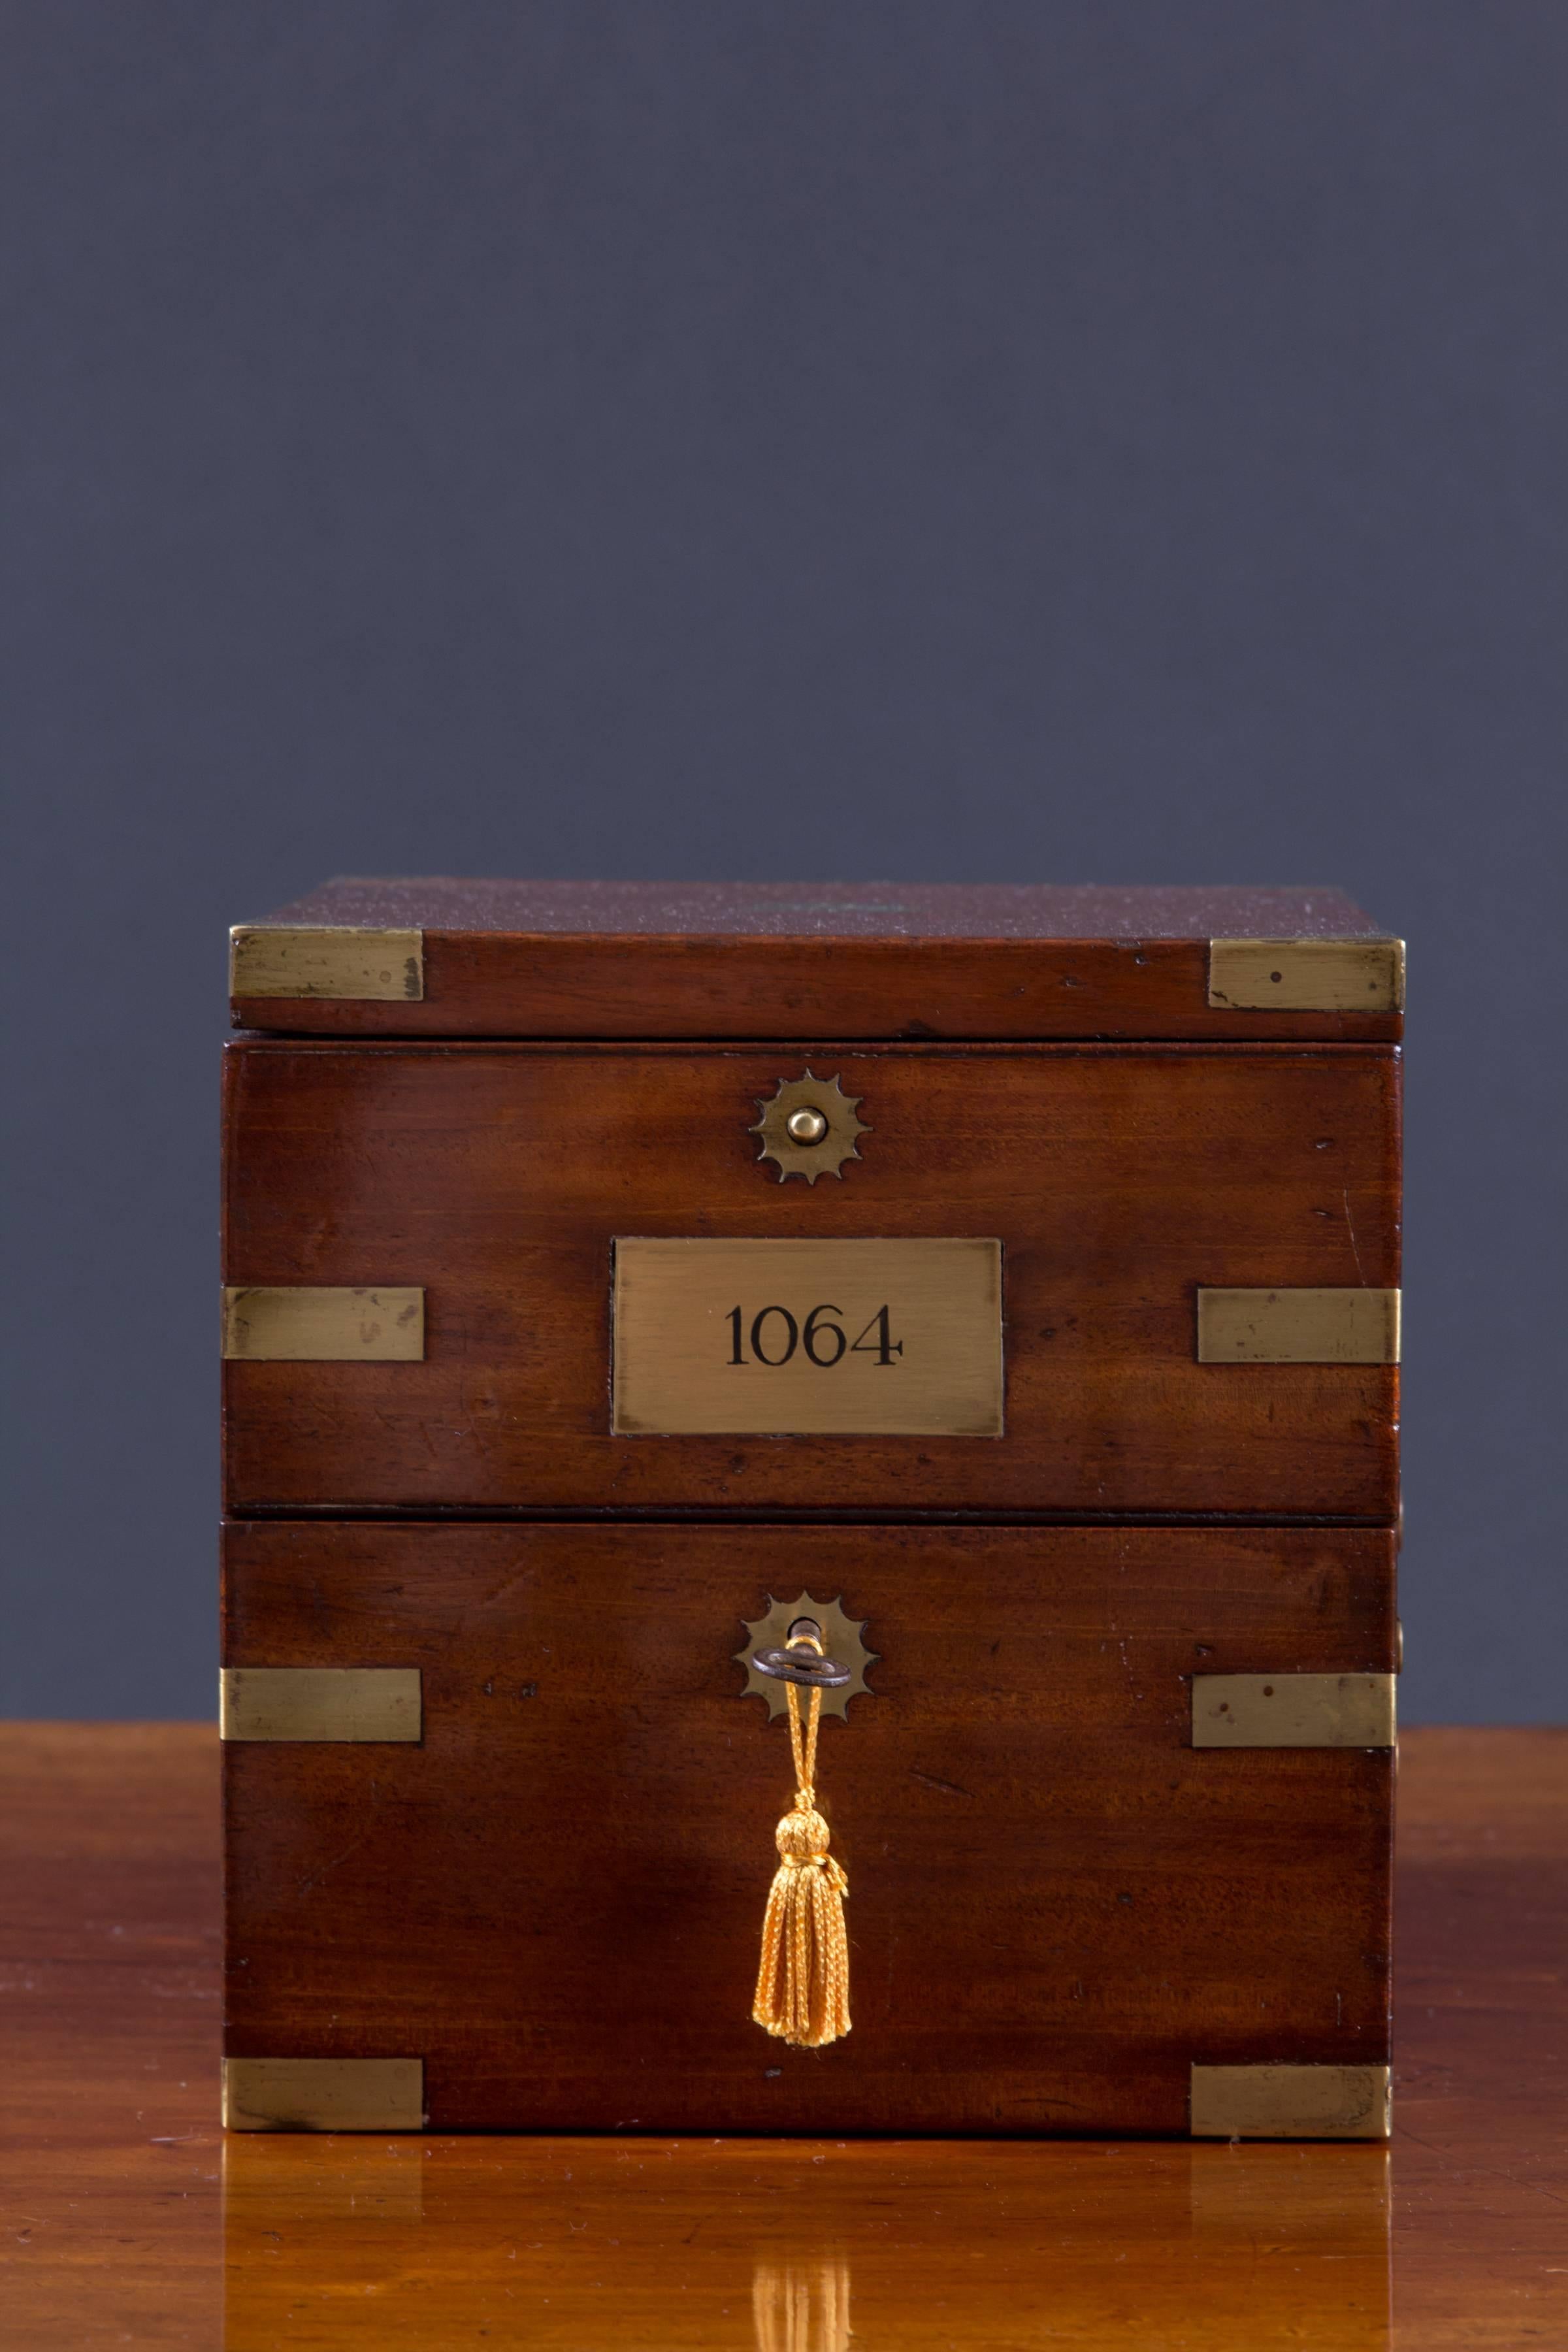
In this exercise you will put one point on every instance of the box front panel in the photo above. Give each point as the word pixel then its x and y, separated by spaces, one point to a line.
pixel 551 1898
pixel 449 1217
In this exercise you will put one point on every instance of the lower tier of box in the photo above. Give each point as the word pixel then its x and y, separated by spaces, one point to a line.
pixel 1115 1809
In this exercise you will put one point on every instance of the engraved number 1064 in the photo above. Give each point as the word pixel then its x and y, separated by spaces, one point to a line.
pixel 775 1335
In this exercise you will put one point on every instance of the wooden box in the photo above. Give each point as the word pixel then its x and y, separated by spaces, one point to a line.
pixel 1055 1341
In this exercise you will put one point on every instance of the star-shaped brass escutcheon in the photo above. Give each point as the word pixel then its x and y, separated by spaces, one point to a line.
pixel 809 1127
pixel 840 1636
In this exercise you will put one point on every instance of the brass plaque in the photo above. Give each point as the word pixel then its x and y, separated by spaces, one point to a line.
pixel 346 963
pixel 808 1338
pixel 1308 975
pixel 1298 1326
pixel 323 2094
pixel 302 1326
pixel 320 1703
pixel 1293 1710
pixel 1290 2101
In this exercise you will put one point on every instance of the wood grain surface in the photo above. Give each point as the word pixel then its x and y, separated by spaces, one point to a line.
pixel 125 2220
pixel 1058 1906
pixel 1119 1180
pixel 781 960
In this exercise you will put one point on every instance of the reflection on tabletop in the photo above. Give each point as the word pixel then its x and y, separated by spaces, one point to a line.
pixel 124 2220
pixel 804 2247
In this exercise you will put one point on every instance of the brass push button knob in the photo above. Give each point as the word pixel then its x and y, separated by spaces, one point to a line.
pixel 808 1127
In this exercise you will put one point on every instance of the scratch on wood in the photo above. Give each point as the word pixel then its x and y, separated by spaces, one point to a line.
pixel 308 1884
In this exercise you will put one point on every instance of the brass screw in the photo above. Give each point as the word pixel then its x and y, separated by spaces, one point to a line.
pixel 806 1126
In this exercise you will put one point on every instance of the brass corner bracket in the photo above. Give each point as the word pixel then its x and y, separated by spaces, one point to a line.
pixel 1293 1710
pixel 1345 1326
pixel 1307 975
pixel 1290 2101
pixel 329 2095
pixel 297 1324
pixel 351 962
pixel 321 1703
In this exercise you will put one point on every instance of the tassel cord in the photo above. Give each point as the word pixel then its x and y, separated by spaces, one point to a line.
pixel 803 1747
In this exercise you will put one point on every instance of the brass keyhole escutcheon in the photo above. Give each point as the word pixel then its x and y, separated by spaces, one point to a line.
pixel 770 1665
pixel 808 1127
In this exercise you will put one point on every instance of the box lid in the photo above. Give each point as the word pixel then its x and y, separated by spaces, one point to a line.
pixel 440 957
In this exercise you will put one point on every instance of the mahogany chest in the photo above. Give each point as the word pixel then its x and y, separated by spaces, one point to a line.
pixel 963 1323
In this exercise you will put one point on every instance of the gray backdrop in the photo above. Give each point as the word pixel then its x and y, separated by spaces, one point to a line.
pixel 1056 440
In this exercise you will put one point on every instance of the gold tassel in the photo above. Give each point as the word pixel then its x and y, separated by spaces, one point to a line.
pixel 802 1985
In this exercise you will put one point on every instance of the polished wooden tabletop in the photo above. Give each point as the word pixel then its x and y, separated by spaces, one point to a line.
pixel 125 2217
